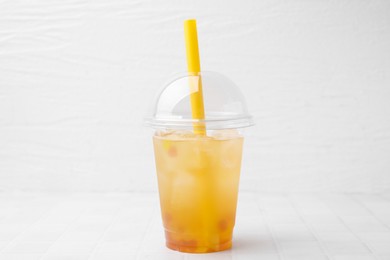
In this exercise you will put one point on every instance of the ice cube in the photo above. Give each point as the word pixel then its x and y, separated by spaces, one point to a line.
pixel 225 134
pixel 180 135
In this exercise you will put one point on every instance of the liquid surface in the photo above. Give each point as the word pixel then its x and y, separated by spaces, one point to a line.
pixel 198 180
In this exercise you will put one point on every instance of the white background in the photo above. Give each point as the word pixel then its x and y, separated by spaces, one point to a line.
pixel 76 78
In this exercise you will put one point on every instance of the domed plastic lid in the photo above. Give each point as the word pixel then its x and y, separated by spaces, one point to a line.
pixel 224 105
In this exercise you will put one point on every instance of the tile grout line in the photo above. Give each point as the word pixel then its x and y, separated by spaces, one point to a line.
pixel 98 242
pixel 348 228
pixel 270 230
pixel 66 229
pixel 148 228
pixel 372 213
pixel 45 214
pixel 369 210
pixel 311 229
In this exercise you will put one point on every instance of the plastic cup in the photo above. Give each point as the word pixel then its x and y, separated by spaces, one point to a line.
pixel 198 175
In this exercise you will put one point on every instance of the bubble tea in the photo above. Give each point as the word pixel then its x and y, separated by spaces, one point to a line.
pixel 198 159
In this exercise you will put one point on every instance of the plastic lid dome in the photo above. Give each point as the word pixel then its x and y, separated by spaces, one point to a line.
pixel 224 104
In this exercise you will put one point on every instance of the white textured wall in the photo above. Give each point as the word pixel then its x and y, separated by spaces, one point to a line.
pixel 76 78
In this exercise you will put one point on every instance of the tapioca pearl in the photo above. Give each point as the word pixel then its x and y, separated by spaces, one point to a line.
pixel 172 151
pixel 222 225
pixel 189 243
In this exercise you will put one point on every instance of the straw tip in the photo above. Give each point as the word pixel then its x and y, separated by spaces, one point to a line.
pixel 190 21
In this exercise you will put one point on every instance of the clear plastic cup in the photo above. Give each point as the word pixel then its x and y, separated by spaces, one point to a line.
pixel 198 175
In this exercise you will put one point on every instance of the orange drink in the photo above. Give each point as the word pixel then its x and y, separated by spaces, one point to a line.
pixel 198 179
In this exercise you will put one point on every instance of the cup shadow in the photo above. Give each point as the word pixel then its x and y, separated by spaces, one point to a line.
pixel 251 244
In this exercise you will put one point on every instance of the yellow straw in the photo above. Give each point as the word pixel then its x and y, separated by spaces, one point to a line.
pixel 193 64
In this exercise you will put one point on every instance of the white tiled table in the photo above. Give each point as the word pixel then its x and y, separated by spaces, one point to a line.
pixel 128 226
